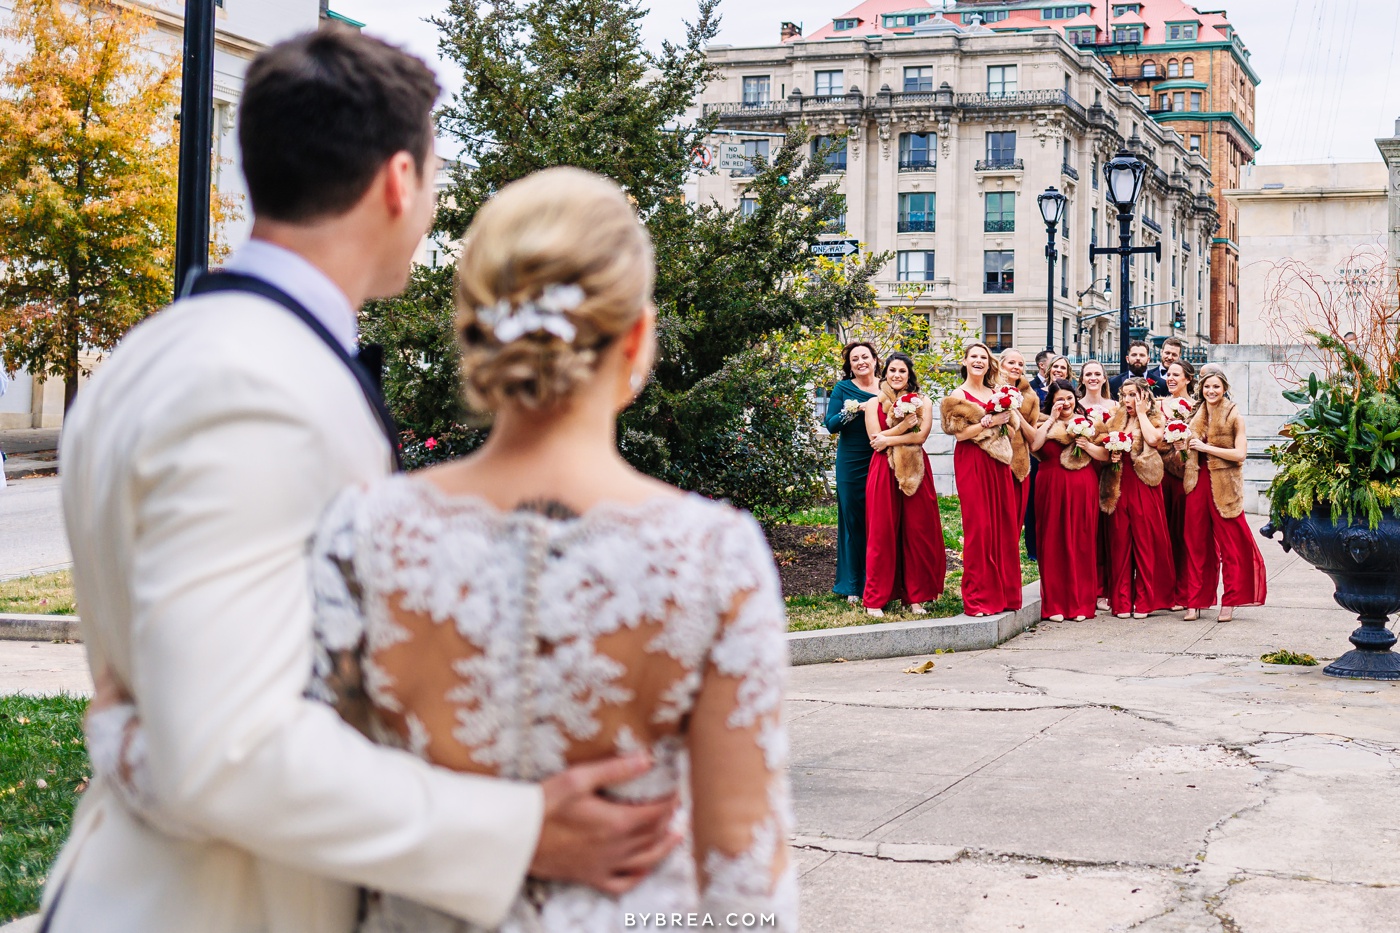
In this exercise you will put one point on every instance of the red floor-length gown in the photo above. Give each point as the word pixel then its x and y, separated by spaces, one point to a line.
pixel 989 502
pixel 904 553
pixel 1174 501
pixel 1141 575
pixel 1217 547
pixel 1067 533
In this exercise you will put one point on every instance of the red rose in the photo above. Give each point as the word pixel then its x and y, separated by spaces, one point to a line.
pixel 430 443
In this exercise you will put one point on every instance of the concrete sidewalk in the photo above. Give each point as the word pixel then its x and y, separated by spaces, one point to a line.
pixel 1097 776
pixel 30 451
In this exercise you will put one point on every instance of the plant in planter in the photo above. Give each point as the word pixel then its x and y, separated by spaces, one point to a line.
pixel 1337 485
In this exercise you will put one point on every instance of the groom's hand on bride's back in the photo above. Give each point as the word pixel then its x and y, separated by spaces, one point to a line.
pixel 589 839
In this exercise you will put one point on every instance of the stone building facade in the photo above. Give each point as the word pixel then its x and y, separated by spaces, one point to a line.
pixel 951 133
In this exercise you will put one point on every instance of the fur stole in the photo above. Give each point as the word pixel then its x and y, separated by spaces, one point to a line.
pixel 1226 476
pixel 1147 462
pixel 1020 447
pixel 907 460
pixel 958 414
pixel 1060 435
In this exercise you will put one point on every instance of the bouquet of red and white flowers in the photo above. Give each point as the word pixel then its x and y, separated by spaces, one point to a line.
pixel 1176 431
pixel 1004 399
pixel 1097 416
pixel 1079 426
pixel 1178 409
pixel 908 405
pixel 1118 442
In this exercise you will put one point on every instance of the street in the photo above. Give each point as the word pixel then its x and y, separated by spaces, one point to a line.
pixel 32 539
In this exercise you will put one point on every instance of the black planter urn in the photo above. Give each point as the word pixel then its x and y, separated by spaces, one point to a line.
pixel 1364 563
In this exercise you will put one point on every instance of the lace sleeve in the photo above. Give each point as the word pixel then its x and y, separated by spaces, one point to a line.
pixel 738 745
pixel 337 677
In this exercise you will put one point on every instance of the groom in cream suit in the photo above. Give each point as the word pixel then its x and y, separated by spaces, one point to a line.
pixel 195 466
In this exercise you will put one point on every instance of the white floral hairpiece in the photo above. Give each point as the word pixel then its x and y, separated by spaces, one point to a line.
pixel 544 315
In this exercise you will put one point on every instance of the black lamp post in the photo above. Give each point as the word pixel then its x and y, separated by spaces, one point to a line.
pixel 1052 208
pixel 196 144
pixel 1124 173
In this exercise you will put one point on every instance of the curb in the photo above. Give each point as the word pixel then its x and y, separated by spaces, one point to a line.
pixel 904 639
pixel 39 628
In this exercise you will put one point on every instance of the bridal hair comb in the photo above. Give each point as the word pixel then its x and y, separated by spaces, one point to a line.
pixel 544 315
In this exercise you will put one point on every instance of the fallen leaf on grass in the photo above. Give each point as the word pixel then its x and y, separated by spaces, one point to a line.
pixel 920 668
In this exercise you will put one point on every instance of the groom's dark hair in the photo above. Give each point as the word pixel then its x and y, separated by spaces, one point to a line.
pixel 320 116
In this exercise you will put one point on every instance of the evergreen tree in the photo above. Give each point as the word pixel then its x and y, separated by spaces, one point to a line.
pixel 569 82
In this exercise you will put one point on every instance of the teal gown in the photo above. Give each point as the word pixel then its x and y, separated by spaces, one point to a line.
pixel 853 453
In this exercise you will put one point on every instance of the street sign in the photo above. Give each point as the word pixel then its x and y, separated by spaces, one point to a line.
pixel 731 156
pixel 840 248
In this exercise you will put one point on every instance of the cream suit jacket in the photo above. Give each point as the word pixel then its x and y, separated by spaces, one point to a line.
pixel 196 464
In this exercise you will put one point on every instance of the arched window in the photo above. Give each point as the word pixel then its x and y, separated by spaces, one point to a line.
pixel 1188 68
pixel 1173 69
pixel 1149 69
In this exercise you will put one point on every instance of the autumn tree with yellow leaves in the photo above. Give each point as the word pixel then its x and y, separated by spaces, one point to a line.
pixel 88 170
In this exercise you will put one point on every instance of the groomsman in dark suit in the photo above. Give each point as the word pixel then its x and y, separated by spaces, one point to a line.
pixel 1172 349
pixel 1041 380
pixel 1138 358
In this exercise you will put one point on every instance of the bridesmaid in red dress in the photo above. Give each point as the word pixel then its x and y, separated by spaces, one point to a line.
pixel 1066 509
pixel 1181 385
pixel 1218 540
pixel 904 555
pixel 991 581
pixel 1140 572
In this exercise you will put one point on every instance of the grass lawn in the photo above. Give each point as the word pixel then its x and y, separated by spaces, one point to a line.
pixel 49 594
pixel 827 610
pixel 43 768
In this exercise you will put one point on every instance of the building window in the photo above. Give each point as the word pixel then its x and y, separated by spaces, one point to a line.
pixel 916 213
pixel 1195 144
pixel 1181 32
pixel 1179 100
pixel 841 25
pixel 754 149
pixel 1127 35
pixel 835 158
pixel 1082 36
pixel 837 224
pixel 998 266
pixel 1001 148
pixel 1121 8
pixel 747 206
pixel 1173 69
pixel 1001 80
pixel 918 80
pixel 901 20
pixel 915 265
pixel 1164 102
pixel 1093 226
pixel 1094 172
pixel 1196 101
pixel 996 332
pixel 830 84
pixel 917 151
pixel 1000 212
pixel 1064 12
pixel 756 90
pixel 1149 69
pixel 1188 68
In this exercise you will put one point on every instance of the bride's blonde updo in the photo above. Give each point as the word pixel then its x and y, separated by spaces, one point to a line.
pixel 556 228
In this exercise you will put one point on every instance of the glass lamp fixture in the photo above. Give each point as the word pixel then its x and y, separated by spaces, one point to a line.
pixel 1124 173
pixel 1052 206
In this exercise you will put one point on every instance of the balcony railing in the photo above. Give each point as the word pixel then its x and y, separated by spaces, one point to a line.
pixel 999 226
pixel 1151 224
pixel 1178 180
pixel 1070 171
pixel 1205 202
pixel 1000 165
pixel 853 101
pixel 939 289
pixel 997 288
pixel 835 164
pixel 916 225
pixel 1013 100
pixel 917 164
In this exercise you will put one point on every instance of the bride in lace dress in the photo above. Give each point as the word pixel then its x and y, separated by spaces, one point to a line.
pixel 540 604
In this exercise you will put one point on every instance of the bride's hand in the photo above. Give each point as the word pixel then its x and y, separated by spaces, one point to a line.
pixel 588 839
pixel 879 442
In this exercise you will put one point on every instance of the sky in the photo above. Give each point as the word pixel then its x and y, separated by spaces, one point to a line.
pixel 1330 82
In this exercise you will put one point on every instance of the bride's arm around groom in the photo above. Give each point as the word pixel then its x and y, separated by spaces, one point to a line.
pixel 196 466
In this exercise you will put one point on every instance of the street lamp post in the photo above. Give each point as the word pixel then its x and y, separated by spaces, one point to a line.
pixel 1052 208
pixel 196 144
pixel 1124 173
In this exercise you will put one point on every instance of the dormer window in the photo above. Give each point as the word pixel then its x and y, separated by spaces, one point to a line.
pixel 985 16
pixel 904 20
pixel 1065 12
pixel 1127 35
pixel 842 25
pixel 1181 32
pixel 1082 36
pixel 1120 9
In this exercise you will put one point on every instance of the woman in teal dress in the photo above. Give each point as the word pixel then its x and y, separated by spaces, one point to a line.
pixel 861 367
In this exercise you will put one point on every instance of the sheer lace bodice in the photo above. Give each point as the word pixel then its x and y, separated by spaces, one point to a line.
pixel 513 644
